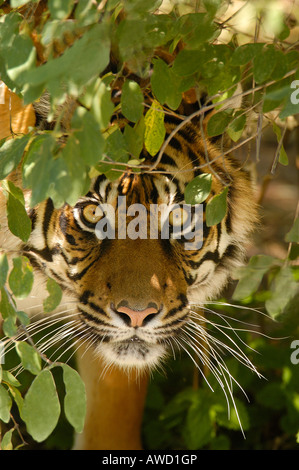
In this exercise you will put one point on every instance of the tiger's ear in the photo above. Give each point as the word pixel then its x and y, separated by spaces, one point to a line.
pixel 15 118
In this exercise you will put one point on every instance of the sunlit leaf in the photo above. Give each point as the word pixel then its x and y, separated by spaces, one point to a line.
pixel 21 277
pixel 154 128
pixel 216 208
pixel 198 189
pixel 11 153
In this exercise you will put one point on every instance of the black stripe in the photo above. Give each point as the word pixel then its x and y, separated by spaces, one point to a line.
pixel 168 160
pixel 47 218
pixel 71 240
pixel 90 317
pixel 78 276
pixel 211 256
pixel 176 144
pixel 182 305
pixel 44 254
pixel 99 180
pixel 63 222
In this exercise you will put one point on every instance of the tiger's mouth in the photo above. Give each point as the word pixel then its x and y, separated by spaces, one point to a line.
pixel 132 352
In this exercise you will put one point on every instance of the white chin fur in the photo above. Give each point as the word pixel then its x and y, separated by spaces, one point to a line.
pixel 132 355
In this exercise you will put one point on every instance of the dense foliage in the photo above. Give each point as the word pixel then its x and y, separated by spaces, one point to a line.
pixel 64 46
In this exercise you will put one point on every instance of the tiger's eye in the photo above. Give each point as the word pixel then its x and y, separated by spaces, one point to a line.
pixel 178 217
pixel 92 213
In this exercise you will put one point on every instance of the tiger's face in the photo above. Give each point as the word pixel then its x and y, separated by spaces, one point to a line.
pixel 133 292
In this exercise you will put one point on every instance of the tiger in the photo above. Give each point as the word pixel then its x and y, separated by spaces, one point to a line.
pixel 131 297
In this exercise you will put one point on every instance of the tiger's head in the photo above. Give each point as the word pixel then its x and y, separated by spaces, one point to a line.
pixel 133 292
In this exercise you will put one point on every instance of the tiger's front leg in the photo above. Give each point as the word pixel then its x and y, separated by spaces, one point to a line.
pixel 115 403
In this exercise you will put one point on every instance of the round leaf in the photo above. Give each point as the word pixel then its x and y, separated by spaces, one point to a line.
pixel 21 277
pixel 55 295
pixel 132 101
pixel 198 189
pixel 218 123
pixel 41 408
pixel 216 208
pixel 29 356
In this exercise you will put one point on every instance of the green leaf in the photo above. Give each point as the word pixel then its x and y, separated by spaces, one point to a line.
pixel 60 9
pixel 23 317
pixel 243 54
pixel 11 153
pixel 92 51
pixel 8 313
pixel 19 3
pixel 196 29
pixel 39 168
pixel 216 208
pixel 237 417
pixel 188 62
pixel 218 123
pixel 117 151
pixel 76 176
pixel 75 398
pixel 165 84
pixel 19 222
pixel 293 235
pixel 236 126
pixel 283 289
pixel 21 277
pixel 154 128
pixel 132 101
pixel 98 98
pixel 198 189
pixel 55 296
pixel 9 327
pixel 30 358
pixel 41 408
pixel 3 269
pixel 251 276
pixel 283 158
pixel 134 138
pixel 20 57
pixel 272 395
pixel 5 404
pixel 6 443
pixel 89 137
pixel 10 379
pixel 291 105
pixel 264 63
pixel 199 425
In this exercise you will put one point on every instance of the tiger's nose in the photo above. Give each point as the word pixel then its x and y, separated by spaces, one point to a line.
pixel 136 318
